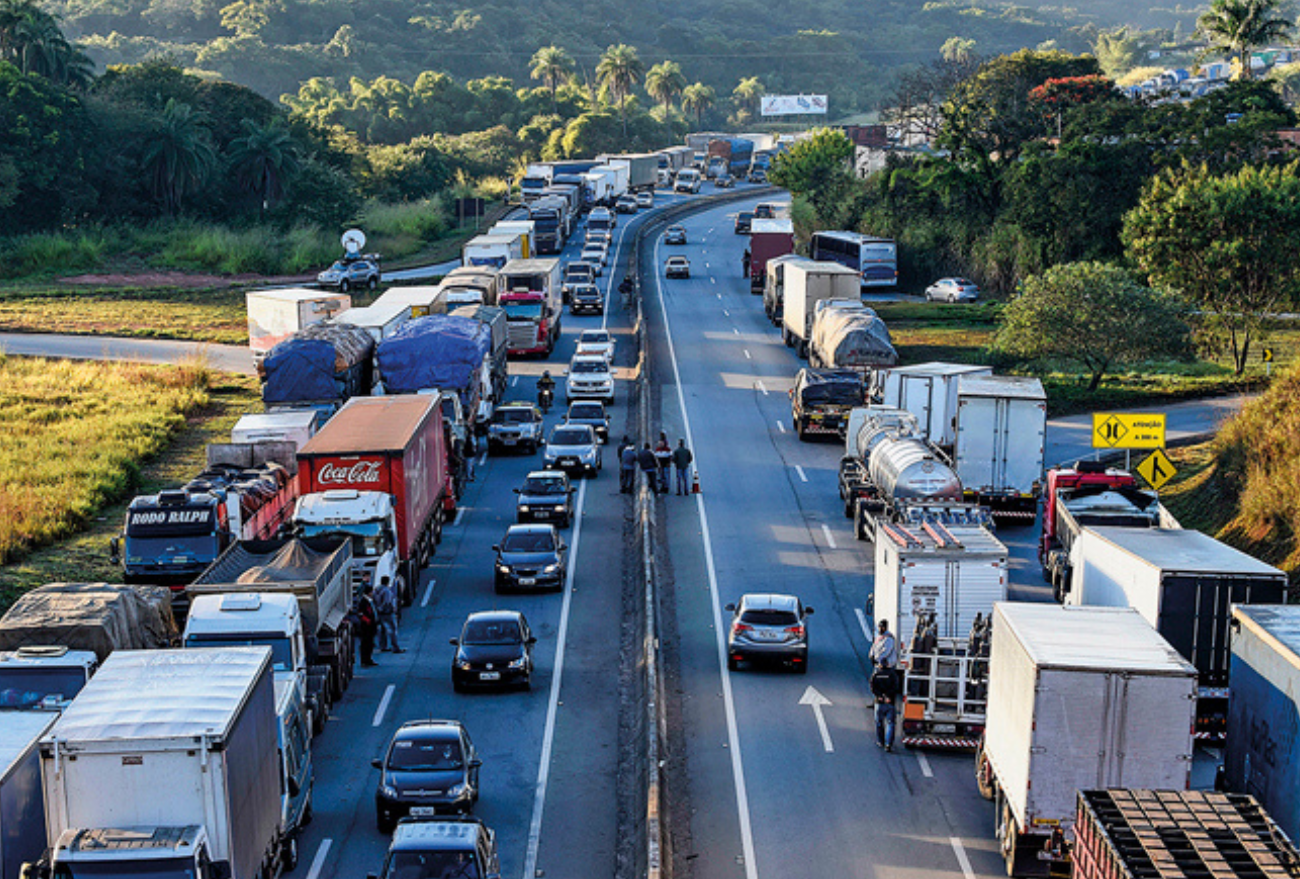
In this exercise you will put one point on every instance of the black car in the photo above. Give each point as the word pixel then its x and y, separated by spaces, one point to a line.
pixel 447 846
pixel 430 766
pixel 743 221
pixel 495 649
pixel 724 181
pixel 545 496
pixel 758 175
pixel 589 412
pixel 586 299
pixel 821 400
pixel 530 557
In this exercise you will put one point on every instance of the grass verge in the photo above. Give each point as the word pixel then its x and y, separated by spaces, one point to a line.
pixel 79 439
pixel 213 315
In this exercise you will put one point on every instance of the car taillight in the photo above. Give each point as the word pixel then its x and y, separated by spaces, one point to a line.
pixel 797 631
pixel 741 627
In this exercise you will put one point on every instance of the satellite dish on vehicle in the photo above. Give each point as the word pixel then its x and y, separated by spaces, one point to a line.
pixel 353 241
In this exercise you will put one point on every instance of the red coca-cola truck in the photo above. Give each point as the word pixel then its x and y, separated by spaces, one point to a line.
pixel 377 473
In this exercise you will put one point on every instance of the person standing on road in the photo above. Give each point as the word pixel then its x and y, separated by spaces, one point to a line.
pixel 884 688
pixel 367 623
pixel 664 458
pixel 649 465
pixel 682 461
pixel 626 466
pixel 386 605
pixel 744 264
pixel 884 650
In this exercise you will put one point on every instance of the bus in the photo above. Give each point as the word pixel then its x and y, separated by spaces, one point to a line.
pixel 874 259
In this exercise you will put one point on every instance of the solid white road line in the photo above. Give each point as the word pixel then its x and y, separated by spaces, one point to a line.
pixel 780 425
pixel 428 594
pixel 803 477
pixel 830 538
pixel 866 627
pixel 383 705
pixel 924 764
pixel 761 387
pixel 962 860
pixel 548 735
pixel 460 514
pixel 318 862
pixel 514 380
pixel 719 629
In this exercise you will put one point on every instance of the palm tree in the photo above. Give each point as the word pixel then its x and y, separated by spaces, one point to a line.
pixel 748 92
pixel 697 99
pixel 665 82
pixel 1235 27
pixel 180 156
pixel 32 41
pixel 619 69
pixel 263 158
pixel 554 67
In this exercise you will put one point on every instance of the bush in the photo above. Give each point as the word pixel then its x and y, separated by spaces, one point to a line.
pixel 47 253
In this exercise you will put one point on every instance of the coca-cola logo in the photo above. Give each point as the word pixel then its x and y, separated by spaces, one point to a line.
pixel 360 472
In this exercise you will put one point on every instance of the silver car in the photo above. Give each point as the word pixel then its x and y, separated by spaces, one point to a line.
pixel 952 290
pixel 573 447
pixel 768 626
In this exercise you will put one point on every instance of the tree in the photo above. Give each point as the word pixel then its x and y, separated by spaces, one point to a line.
pixel 552 66
pixel 180 156
pixel 620 68
pixel 698 98
pixel 665 82
pixel 1094 314
pixel 956 50
pixel 812 162
pixel 263 158
pixel 1229 243
pixel 1235 27
pixel 1118 51
pixel 32 40
pixel 748 92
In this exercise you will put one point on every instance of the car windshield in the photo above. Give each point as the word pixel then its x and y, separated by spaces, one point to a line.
pixel 515 416
pixel 586 290
pixel 746 215
pixel 528 541
pixel 961 282
pixel 543 485
pixel 281 649
pixel 769 618
pixel 432 865
pixel 425 754
pixel 588 366
pixel 594 336
pixel 586 410
pixel 575 270
pixel 494 632
pixel 571 436
pixel 522 310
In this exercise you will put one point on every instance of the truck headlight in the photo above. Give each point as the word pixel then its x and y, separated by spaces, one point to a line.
pixel 388 792
pixel 524 508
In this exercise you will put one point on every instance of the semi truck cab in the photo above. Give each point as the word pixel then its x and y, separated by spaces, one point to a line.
pixel 368 519
pixel 43 678
pixel 170 537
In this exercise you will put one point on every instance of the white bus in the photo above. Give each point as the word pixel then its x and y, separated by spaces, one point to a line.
pixel 874 259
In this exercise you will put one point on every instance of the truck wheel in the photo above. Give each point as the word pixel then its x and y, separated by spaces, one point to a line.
pixel 848 508
pixel 1009 841
pixel 983 774
pixel 289 854
pixel 787 338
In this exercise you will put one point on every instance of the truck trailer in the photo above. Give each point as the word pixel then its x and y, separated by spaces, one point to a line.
pixel 768 239
pixel 1078 698
pixel 928 391
pixel 22 805
pixel 1184 583
pixel 275 315
pixel 1000 437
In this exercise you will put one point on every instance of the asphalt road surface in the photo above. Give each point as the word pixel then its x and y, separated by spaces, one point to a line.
pixel 227 358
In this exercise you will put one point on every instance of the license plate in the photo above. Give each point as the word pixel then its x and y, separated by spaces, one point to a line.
pixel 423 812
pixel 569 462
pixel 768 636
pixel 527 581
pixel 510 440
pixel 489 676
pixel 944 729
pixel 541 514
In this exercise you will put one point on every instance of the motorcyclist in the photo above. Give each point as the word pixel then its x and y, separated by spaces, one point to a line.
pixel 625 285
pixel 545 390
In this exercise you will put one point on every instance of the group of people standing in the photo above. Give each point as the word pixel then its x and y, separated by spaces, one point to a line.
pixel 377 614
pixel 654 463
pixel 885 684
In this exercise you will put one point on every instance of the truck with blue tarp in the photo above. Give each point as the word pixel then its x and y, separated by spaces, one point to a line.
pixel 729 155
pixel 323 364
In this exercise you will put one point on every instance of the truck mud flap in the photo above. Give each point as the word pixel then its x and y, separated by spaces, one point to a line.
pixel 942 742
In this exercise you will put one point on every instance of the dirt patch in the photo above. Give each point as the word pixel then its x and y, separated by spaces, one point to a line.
pixel 181 279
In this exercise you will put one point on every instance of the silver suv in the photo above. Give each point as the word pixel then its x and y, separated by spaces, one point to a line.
pixel 768 626
pixel 515 426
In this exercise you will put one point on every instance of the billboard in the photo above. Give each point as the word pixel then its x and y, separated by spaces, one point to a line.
pixel 789 105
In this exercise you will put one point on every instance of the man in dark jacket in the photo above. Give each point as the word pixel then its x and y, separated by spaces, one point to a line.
pixel 884 688
pixel 682 461
pixel 626 466
pixel 367 625
pixel 649 466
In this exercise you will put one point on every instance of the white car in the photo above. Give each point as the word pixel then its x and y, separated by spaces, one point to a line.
pixel 573 447
pixel 596 342
pixel 590 377
pixel 952 290
pixel 677 267
pixel 645 200
pixel 594 254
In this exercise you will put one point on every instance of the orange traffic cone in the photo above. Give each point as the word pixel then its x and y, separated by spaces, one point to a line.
pixel 695 482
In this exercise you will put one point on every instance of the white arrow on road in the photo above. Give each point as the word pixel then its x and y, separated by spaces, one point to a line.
pixel 818 701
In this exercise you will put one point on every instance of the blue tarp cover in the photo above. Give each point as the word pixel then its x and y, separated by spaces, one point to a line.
pixel 438 351
pixel 321 363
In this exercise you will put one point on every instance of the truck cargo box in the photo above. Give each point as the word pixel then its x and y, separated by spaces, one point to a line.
pixel 323 363
pixel 1080 698
pixel 99 617
pixel 1262 752
pixel 805 285
pixel 1001 432
pixel 928 391
pixel 275 315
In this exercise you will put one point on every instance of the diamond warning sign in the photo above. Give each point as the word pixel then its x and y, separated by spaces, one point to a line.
pixel 1156 469
pixel 1120 430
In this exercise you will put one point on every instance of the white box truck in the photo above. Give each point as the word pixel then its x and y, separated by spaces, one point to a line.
pixel 525 229
pixel 804 285
pixel 1079 699
pixel 275 315
pixel 928 391
pixel 293 426
pixel 166 763
pixel 418 300
pixel 492 250
pixel 1001 434
pixel 1184 583
pixel 380 319
pixel 22 808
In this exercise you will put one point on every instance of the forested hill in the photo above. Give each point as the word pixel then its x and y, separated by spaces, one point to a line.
pixel 847 48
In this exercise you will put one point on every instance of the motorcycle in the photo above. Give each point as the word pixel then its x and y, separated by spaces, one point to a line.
pixel 545 397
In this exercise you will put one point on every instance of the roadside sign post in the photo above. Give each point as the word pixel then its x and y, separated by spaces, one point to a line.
pixel 1127 431
pixel 1267 356
pixel 1156 469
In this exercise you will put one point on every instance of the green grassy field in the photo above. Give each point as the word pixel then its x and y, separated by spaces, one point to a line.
pixel 213 315
pixel 120 430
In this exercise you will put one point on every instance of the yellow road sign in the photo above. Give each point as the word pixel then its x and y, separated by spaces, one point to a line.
pixel 1268 355
pixel 1116 430
pixel 1156 469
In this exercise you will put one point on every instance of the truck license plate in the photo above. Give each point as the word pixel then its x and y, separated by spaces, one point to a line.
pixel 527 581
pixel 489 676
pixel 423 812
